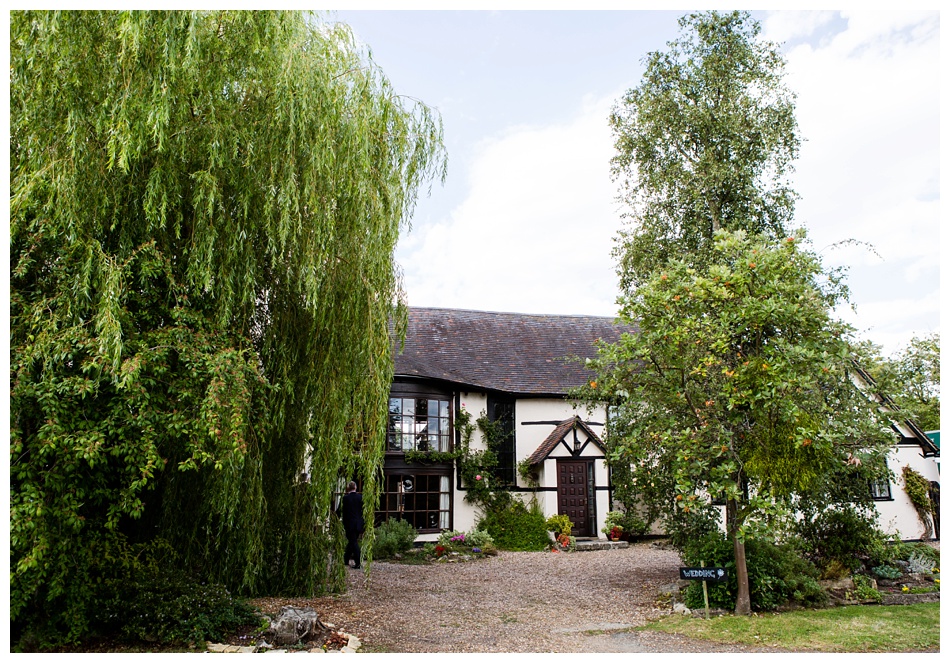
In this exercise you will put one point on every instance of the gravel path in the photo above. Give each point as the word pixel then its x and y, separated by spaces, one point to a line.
pixel 515 602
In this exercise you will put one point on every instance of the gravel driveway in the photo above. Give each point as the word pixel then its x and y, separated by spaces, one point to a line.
pixel 515 602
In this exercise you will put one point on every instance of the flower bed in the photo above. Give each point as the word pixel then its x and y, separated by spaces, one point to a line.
pixel 455 546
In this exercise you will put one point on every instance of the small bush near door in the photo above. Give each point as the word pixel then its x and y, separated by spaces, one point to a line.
pixel 515 526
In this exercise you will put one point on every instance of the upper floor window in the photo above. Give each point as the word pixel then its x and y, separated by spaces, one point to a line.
pixel 419 424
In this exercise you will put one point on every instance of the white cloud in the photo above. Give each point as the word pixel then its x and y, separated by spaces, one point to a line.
pixel 869 110
pixel 788 26
pixel 886 322
pixel 536 227
pixel 534 233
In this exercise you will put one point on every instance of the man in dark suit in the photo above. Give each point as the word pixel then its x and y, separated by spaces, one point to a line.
pixel 353 525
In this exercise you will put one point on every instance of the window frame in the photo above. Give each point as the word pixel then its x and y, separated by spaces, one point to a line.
pixel 444 428
pixel 393 503
pixel 881 490
pixel 507 472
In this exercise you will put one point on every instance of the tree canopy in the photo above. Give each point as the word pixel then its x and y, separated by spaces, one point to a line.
pixel 911 378
pixel 705 142
pixel 204 210
pixel 736 386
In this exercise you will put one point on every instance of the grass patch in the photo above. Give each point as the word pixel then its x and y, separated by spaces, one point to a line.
pixel 865 628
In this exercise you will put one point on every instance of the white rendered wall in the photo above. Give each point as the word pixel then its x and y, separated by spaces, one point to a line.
pixel 530 436
pixel 527 439
pixel 897 515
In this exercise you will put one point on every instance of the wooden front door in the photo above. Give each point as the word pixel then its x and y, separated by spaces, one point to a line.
pixel 575 494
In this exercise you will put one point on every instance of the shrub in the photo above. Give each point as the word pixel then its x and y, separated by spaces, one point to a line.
pixel 449 537
pixel 479 539
pixel 842 537
pixel 559 524
pixel 887 572
pixel 864 589
pixel 393 537
pixel 139 592
pixel 171 608
pixel 900 551
pixel 476 542
pixel 634 525
pixel 683 528
pixel 474 539
pixel 919 563
pixel 629 523
pixel 515 526
pixel 777 574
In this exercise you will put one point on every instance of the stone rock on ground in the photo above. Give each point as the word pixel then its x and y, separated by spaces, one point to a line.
pixel 293 625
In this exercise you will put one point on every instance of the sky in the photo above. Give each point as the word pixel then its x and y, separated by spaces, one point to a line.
pixel 527 216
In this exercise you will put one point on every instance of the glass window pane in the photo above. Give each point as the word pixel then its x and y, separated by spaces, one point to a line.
pixel 433 408
pixel 421 500
pixel 444 409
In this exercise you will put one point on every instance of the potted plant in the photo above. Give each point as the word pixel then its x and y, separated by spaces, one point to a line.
pixel 612 525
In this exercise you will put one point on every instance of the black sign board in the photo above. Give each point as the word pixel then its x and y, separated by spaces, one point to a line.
pixel 707 573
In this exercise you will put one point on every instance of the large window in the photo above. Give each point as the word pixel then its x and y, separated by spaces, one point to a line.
pixel 419 424
pixel 422 500
pixel 502 412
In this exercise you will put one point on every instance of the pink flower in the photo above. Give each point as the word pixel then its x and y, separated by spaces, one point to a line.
pixel 478 477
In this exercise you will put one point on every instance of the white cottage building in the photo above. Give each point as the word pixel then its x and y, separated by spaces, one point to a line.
pixel 518 370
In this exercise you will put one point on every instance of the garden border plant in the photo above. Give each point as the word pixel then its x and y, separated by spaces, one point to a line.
pixel 560 526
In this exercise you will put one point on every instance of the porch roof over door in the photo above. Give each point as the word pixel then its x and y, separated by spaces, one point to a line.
pixel 559 435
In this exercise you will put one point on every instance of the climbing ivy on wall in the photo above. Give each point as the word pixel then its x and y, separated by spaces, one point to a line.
pixel 918 490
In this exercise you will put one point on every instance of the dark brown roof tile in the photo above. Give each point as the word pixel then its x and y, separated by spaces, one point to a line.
pixel 516 353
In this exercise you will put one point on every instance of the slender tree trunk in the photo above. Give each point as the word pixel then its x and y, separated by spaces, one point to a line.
pixel 743 604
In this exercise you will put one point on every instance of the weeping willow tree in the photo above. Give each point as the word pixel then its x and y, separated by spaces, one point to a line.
pixel 204 211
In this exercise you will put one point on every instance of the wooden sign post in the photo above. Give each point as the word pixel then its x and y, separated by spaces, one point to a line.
pixel 706 574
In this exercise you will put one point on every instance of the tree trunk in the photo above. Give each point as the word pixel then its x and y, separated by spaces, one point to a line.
pixel 743 604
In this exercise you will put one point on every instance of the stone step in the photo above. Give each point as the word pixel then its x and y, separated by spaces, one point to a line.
pixel 599 544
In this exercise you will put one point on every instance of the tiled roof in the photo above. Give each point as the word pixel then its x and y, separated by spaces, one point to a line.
pixel 558 434
pixel 511 352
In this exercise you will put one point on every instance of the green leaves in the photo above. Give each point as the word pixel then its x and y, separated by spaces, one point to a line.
pixel 911 378
pixel 204 212
pixel 738 378
pixel 705 142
